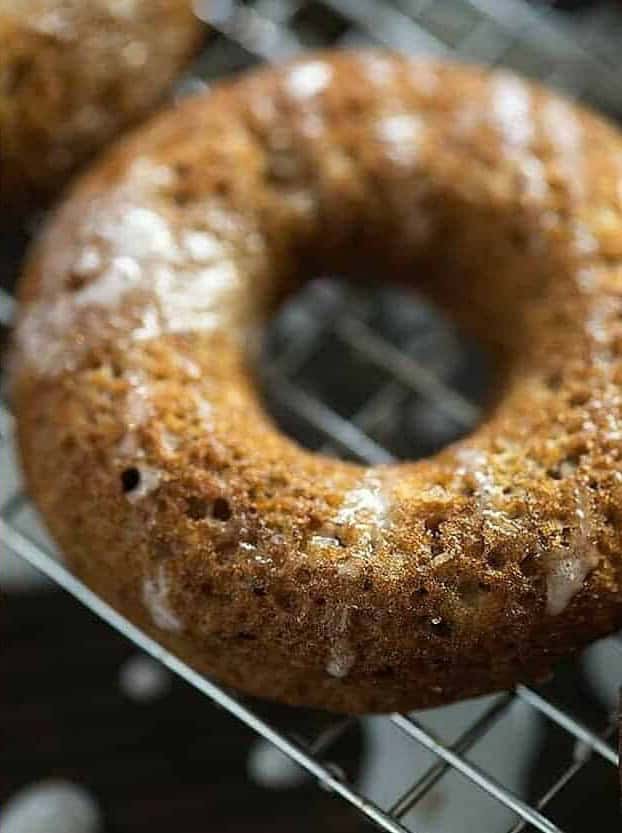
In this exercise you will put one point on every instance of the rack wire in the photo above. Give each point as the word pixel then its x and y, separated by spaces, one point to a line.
pixel 410 360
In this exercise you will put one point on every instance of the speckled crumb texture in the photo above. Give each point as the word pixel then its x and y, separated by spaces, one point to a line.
pixel 284 573
pixel 73 73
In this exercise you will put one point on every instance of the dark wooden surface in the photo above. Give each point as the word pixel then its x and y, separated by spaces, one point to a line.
pixel 178 764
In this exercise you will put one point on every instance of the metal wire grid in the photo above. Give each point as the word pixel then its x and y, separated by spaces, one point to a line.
pixel 488 30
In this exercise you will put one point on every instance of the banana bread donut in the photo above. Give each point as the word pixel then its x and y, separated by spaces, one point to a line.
pixel 75 72
pixel 285 573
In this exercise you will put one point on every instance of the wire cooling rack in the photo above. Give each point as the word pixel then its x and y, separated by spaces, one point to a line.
pixel 372 376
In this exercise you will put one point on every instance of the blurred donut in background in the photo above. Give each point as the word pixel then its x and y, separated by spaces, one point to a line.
pixel 73 73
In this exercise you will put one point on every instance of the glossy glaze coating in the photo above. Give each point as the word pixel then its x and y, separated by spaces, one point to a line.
pixel 285 573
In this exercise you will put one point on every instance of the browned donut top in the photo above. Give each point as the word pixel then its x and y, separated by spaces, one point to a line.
pixel 287 573
pixel 73 73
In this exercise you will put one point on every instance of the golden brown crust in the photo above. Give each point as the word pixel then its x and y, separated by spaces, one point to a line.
pixel 284 573
pixel 73 73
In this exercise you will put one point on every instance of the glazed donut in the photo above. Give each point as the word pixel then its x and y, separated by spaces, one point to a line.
pixel 73 73
pixel 282 572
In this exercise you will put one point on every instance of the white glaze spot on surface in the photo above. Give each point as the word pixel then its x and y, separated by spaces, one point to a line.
pixel 360 520
pixel 88 262
pixel 156 592
pixel 123 274
pixel 138 404
pixel 341 661
pixel 309 79
pixel 565 135
pixel 140 233
pixel 513 119
pixel 366 504
pixel 568 567
pixel 191 300
pixel 342 655
pixel 400 134
pixel 201 246
pixel 146 277
pixel 511 107
pixel 122 8
pixel 476 465
pixel 377 69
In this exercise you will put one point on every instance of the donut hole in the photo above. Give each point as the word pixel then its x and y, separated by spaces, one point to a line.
pixel 342 342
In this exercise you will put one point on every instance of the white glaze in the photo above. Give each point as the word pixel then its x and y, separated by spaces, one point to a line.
pixel 138 404
pixel 533 174
pixel 156 591
pixel 584 240
pixel 488 494
pixel 88 261
pixel 54 24
pixel 341 661
pixel 377 69
pixel 201 246
pixel 360 520
pixel 122 275
pixel 139 233
pixel 423 77
pixel 192 300
pixel 158 279
pixel 145 173
pixel 366 504
pixel 565 135
pixel 342 655
pixel 511 108
pixel 309 79
pixel 135 54
pixel 122 8
pixel 568 567
pixel 400 134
